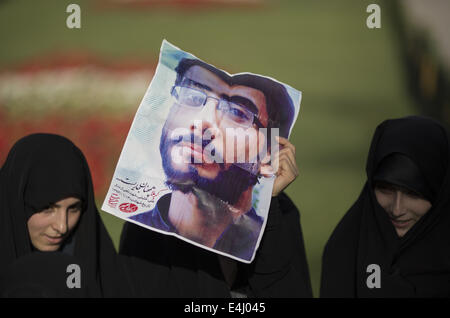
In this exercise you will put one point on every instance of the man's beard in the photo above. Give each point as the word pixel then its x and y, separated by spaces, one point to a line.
pixel 227 186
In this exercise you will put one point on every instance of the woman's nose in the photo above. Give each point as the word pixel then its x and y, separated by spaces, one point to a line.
pixel 60 223
pixel 398 208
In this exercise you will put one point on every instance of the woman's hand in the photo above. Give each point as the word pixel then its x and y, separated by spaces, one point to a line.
pixel 287 166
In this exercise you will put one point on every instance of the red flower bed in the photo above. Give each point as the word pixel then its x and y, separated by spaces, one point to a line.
pixel 100 139
pixel 82 97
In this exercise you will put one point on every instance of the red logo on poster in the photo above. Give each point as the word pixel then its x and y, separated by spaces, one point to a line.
pixel 128 207
pixel 113 200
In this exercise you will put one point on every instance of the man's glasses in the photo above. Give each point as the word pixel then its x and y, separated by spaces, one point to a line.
pixel 234 112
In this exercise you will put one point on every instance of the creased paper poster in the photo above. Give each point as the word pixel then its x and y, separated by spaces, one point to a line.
pixel 198 160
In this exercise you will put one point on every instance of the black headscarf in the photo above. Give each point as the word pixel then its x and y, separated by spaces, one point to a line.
pixel 42 169
pixel 401 171
pixel 417 264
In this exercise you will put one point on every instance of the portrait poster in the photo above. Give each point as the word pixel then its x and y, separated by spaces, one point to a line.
pixel 198 162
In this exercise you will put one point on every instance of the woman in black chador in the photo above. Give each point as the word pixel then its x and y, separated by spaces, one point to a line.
pixel 395 240
pixel 49 220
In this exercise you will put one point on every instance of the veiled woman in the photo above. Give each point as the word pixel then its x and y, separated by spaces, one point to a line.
pixel 49 220
pixel 395 240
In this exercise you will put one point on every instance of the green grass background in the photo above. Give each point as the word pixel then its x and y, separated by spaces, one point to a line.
pixel 351 77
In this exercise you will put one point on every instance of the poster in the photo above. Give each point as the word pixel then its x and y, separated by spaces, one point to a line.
pixel 198 160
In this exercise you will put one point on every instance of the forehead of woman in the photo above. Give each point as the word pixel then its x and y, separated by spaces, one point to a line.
pixel 51 167
pixel 421 139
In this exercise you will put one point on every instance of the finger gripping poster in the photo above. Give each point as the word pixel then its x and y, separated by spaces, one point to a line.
pixel 199 159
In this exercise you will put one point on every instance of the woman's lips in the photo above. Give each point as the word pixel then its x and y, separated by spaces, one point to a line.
pixel 54 239
pixel 401 224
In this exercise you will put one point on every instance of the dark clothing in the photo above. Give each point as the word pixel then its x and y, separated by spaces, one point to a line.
pixel 239 239
pixel 417 264
pixel 279 269
pixel 40 170
pixel 44 275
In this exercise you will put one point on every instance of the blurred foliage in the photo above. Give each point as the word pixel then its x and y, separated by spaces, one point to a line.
pixel 350 76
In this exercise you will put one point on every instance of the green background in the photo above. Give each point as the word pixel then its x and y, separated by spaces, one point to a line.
pixel 351 76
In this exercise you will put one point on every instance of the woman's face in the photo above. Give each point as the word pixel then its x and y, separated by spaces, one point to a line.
pixel 403 206
pixel 50 227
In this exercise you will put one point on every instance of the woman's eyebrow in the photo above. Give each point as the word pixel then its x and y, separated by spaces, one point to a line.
pixel 188 81
pixel 73 205
pixel 76 204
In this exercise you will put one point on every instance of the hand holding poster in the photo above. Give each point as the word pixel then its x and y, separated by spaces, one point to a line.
pixel 198 160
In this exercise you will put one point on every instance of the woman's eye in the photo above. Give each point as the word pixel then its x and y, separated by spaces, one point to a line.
pixel 413 195
pixel 75 209
pixel 385 189
pixel 47 211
